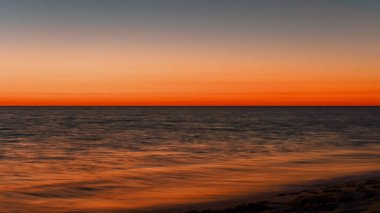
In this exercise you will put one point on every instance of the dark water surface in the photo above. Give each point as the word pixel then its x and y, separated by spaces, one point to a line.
pixel 103 159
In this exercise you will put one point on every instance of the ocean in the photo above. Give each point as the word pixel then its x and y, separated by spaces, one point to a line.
pixel 107 159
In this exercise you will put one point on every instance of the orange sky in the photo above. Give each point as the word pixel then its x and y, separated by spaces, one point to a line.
pixel 198 74
pixel 44 65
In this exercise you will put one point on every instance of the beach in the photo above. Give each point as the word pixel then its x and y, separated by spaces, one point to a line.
pixel 345 195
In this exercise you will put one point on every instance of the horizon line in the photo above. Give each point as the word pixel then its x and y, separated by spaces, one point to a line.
pixel 189 105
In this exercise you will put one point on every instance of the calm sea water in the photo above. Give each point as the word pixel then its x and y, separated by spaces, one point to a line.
pixel 103 159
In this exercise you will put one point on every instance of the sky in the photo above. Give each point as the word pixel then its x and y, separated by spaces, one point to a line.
pixel 189 52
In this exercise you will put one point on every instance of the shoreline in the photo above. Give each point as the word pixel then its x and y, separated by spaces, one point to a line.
pixel 354 193
pixel 298 197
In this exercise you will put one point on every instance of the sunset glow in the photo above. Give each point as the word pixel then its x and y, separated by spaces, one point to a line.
pixel 189 53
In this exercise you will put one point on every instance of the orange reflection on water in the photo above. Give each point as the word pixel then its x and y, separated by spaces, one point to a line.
pixel 107 180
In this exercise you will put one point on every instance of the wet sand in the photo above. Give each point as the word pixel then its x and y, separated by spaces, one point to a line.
pixel 343 195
